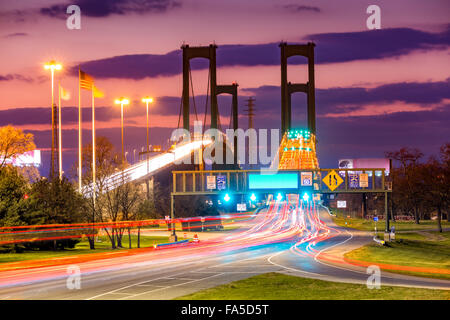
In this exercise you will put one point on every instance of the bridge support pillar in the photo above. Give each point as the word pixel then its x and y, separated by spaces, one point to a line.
pixel 232 90
pixel 287 89
pixel 207 52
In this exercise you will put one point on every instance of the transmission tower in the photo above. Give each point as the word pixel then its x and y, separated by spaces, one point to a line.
pixel 250 111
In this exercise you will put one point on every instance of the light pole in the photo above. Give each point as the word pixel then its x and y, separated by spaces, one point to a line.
pixel 122 101
pixel 52 66
pixel 147 100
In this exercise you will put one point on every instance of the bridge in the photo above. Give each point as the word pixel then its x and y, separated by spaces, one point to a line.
pixel 295 167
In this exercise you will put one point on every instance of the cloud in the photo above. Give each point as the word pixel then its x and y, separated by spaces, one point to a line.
pixel 343 100
pixel 301 8
pixel 331 48
pixel 104 8
pixel 337 101
pixel 358 137
pixel 371 136
pixel 34 116
pixel 15 76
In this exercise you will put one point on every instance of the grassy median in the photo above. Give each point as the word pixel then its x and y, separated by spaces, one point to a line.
pixel 104 245
pixel 369 225
pixel 276 286
pixel 429 249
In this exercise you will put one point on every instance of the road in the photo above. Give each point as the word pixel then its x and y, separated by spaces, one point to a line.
pixel 293 238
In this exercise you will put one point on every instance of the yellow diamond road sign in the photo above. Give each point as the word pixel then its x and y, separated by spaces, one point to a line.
pixel 332 180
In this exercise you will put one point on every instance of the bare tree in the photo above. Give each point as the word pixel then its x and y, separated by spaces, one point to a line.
pixel 407 183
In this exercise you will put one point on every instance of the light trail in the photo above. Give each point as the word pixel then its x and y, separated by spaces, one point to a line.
pixel 141 169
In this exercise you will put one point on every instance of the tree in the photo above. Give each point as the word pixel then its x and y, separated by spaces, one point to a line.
pixel 130 197
pixel 444 156
pixel 436 195
pixel 54 202
pixel 407 184
pixel 14 142
pixel 107 161
pixel 13 205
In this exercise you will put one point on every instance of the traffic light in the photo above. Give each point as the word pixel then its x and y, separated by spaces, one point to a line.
pixel 226 197
pixel 279 197
pixel 305 197
pixel 253 197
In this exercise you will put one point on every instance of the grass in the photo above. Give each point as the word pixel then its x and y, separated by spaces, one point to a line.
pixel 82 248
pixel 369 225
pixel 429 249
pixel 276 286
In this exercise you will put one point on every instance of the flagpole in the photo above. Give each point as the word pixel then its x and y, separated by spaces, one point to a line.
pixel 79 133
pixel 93 144
pixel 59 131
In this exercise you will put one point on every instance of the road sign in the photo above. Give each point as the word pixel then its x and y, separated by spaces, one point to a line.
pixel 221 182
pixel 202 219
pixel 364 180
pixel 332 180
pixel 306 179
pixel 241 207
pixel 210 182
pixel 342 204
pixel 375 218
pixel 353 180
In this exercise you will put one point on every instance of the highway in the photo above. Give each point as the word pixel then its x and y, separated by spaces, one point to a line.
pixel 293 237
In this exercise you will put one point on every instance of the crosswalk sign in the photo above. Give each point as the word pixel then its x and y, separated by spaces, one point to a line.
pixel 332 180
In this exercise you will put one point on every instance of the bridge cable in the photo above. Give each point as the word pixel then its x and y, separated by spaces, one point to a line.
pixel 207 99
pixel 231 115
pixel 179 114
pixel 193 94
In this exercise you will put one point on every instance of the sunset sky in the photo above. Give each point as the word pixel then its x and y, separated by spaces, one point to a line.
pixel 376 90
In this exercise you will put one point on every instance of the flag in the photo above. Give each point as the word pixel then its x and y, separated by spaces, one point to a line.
pixel 98 93
pixel 86 81
pixel 65 95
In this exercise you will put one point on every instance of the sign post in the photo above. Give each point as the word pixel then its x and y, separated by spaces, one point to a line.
pixel 211 182
pixel 375 219
pixel 363 180
pixel 306 179
pixel 332 180
pixel 241 207
pixel 221 182
pixel 342 204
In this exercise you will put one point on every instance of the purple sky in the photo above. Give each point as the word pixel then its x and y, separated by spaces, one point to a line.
pixel 377 90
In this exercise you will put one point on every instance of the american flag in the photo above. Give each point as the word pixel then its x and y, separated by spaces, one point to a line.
pixel 86 81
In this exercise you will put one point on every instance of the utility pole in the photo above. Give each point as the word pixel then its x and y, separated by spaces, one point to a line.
pixel 250 111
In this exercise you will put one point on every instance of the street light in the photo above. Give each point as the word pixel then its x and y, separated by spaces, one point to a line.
pixel 52 66
pixel 147 100
pixel 122 101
